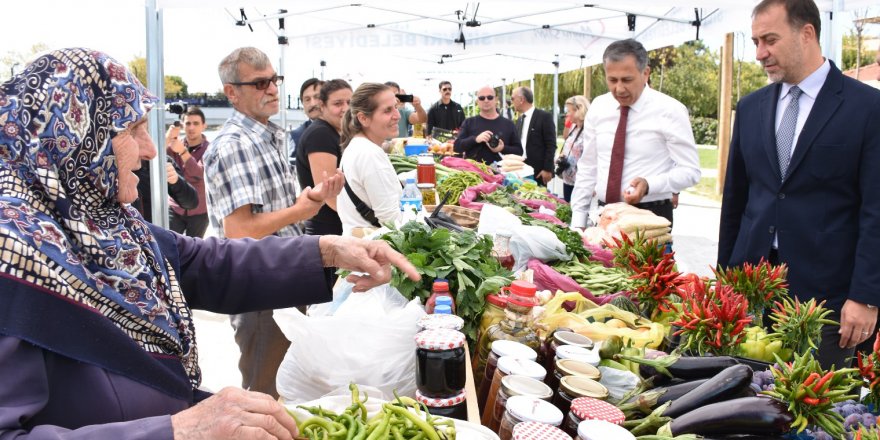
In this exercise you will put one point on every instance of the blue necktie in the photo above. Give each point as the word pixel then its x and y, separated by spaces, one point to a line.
pixel 785 133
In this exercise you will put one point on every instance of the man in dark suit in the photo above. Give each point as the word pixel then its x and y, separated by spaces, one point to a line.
pixel 537 132
pixel 801 184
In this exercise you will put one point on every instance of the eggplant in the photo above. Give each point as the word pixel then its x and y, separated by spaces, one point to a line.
pixel 746 415
pixel 723 386
pixel 689 367
pixel 669 392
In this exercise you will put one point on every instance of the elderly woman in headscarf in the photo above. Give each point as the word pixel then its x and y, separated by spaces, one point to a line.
pixel 96 332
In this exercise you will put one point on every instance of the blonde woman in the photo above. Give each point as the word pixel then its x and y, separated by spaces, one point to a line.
pixel 576 110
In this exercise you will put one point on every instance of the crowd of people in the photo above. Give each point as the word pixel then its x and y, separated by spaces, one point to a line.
pixel 96 334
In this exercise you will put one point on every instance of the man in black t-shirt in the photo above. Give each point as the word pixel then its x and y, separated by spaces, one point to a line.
pixel 487 136
pixel 445 113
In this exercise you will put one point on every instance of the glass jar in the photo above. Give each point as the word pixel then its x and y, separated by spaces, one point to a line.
pixel 492 314
pixel 499 348
pixel 438 321
pixel 587 408
pixel 516 385
pixel 538 431
pixel 570 367
pixel 508 365
pixel 501 248
pixel 602 430
pixel 429 193
pixel 562 337
pixel 426 172
pixel 454 407
pixel 580 353
pixel 527 409
pixel 572 387
pixel 440 362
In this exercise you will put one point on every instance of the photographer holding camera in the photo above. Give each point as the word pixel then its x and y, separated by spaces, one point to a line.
pixel 186 154
pixel 487 136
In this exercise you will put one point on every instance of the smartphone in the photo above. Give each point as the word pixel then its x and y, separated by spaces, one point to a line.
pixel 405 98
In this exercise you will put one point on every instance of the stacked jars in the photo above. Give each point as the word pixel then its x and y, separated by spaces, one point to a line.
pixel 558 338
pixel 497 350
pixel 572 387
pixel 494 313
pixel 527 409
pixel 515 385
pixel 515 325
pixel 508 365
pixel 440 364
pixel 454 407
pixel 586 408
pixel 571 367
pixel 426 173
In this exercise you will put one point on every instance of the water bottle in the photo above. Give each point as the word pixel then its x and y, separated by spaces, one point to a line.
pixel 411 199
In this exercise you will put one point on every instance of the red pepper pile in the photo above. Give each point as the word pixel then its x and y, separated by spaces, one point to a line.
pixel 712 320
pixel 653 270
pixel 761 283
pixel 869 368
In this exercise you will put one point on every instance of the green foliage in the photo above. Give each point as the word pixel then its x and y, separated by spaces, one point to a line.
pixel 173 84
pixel 691 79
pixel 849 54
pixel 705 130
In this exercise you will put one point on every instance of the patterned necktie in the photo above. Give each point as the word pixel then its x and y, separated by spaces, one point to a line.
pixel 615 170
pixel 785 133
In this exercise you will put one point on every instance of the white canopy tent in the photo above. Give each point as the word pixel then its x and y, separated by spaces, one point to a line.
pixel 419 43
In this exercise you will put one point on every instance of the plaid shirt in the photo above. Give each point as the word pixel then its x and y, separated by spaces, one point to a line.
pixel 246 165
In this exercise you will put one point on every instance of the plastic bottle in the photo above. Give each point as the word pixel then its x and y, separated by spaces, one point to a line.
pixel 442 309
pixel 411 199
pixel 439 289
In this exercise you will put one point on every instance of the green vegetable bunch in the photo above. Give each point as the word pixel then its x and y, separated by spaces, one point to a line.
pixel 456 183
pixel 563 212
pixel 799 325
pixel 761 283
pixel 463 258
pixel 573 242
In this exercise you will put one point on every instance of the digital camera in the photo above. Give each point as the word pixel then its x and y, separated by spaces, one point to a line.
pixel 493 141
pixel 562 164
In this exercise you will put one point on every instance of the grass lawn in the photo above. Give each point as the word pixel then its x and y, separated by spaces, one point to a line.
pixel 706 188
pixel 708 158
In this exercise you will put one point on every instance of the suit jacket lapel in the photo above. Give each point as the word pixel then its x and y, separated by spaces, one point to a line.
pixel 826 105
pixel 768 127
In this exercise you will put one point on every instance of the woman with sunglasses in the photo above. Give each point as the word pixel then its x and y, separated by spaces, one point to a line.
pixel 487 136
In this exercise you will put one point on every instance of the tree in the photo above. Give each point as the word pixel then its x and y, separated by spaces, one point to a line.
pixel 16 61
pixel 173 84
pixel 692 79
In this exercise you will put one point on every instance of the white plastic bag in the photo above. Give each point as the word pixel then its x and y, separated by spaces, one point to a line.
pixel 366 338
pixel 618 382
pixel 494 218
pixel 535 242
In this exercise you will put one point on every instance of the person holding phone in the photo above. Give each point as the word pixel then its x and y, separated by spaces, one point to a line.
pixel 408 117
pixel 186 155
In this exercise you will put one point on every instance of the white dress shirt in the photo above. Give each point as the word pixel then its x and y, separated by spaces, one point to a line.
pixel 659 148
pixel 371 176
pixel 527 120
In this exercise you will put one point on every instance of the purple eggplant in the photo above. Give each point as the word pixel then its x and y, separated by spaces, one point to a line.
pixel 725 385
pixel 746 415
pixel 674 365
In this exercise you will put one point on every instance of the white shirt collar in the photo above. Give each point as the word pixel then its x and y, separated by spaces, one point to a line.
pixel 812 84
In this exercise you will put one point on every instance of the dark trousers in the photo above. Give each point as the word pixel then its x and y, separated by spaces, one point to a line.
pixel 262 347
pixel 191 225
pixel 566 192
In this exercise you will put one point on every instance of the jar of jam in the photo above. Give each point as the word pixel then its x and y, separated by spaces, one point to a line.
pixel 587 408
pixel 440 362
pixel 426 171
pixel 580 353
pixel 570 367
pixel 492 314
pixel 516 385
pixel 538 431
pixel 508 365
pixel 563 337
pixel 527 409
pixel 602 430
pixel 572 387
pixel 498 350
pixel 438 321
pixel 454 407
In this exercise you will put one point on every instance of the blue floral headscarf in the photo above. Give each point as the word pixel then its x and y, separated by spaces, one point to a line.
pixel 60 220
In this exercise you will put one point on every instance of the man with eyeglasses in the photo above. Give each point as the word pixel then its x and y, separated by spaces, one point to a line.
pixel 251 193
pixel 445 113
pixel 487 136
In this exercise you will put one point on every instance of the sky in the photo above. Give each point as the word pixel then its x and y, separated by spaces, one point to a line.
pixel 195 39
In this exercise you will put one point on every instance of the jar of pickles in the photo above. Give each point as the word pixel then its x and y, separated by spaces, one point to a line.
pixel 492 314
pixel 508 365
pixel 572 387
pixel 538 431
pixel 499 349
pixel 440 362
pixel 453 407
pixel 516 385
pixel 570 367
pixel 527 409
pixel 587 408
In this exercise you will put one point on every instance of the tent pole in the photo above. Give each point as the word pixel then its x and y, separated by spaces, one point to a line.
pixel 156 84
pixel 282 91
pixel 556 94
pixel 503 96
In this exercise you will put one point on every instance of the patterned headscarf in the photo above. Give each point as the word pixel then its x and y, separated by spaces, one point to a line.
pixel 59 214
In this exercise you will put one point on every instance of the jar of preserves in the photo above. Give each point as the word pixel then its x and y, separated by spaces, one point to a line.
pixel 440 362
pixel 438 321
pixel 508 365
pixel 527 409
pixel 516 385
pixel 570 367
pixel 602 430
pixel 587 408
pixel 454 407
pixel 580 353
pixel 538 431
pixel 572 387
pixel 562 337
pixel 499 349
pixel 492 314
pixel 426 172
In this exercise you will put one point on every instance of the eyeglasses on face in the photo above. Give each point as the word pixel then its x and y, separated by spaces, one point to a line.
pixel 446 89
pixel 486 98
pixel 262 84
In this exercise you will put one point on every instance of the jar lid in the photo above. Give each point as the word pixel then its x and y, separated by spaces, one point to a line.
pixel 531 409
pixel 425 185
pixel 579 353
pixel 602 430
pixel 431 322
pixel 538 431
pixel 440 285
pixel 441 402
pixel 588 408
pixel 571 338
pixel 519 385
pixel 498 300
pixel 523 288
pixel 425 159
pixel 512 348
pixel 523 367
pixel 580 386
pixel 443 309
pixel 439 339
pixel 574 367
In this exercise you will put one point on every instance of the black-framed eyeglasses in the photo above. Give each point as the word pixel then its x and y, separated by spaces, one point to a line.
pixel 484 98
pixel 446 89
pixel 262 84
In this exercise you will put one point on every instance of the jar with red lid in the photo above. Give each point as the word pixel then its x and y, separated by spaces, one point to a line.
pixel 440 362
pixel 588 408
pixel 516 385
pixel 538 431
pixel 527 409
pixel 453 407
pixel 572 387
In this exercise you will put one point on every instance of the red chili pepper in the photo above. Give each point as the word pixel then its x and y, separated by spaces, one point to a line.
pixel 822 381
pixel 811 401
pixel 813 376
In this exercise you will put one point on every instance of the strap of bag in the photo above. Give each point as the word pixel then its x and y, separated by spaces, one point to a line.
pixel 365 211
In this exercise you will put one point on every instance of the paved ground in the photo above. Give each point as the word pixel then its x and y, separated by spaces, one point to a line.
pixel 696 244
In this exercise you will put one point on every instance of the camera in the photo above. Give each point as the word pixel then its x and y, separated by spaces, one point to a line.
pixel 562 164
pixel 178 108
pixel 404 98
pixel 493 141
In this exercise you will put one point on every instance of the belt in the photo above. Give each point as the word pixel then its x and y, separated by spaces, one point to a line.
pixel 645 205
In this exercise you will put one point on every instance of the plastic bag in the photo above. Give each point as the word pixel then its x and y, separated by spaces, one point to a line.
pixel 469 195
pixel 618 382
pixel 535 242
pixel 547 278
pixel 463 165
pixel 340 399
pixel 494 218
pixel 366 338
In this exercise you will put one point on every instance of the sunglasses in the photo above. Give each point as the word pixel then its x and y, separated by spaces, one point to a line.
pixel 485 98
pixel 262 84
pixel 446 89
